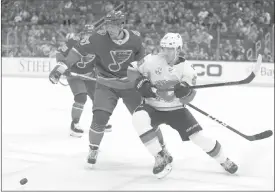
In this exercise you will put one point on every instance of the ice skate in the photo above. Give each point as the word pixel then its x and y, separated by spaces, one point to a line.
pixel 108 128
pixel 76 130
pixel 91 159
pixel 162 167
pixel 229 166
pixel 167 155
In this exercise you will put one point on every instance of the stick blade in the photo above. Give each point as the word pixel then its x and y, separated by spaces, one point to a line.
pixel 263 135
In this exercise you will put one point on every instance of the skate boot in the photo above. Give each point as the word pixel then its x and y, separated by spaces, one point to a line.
pixel 108 128
pixel 76 131
pixel 91 160
pixel 167 155
pixel 162 167
pixel 229 166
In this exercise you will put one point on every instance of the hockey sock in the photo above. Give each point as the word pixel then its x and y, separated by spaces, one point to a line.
pixel 211 147
pixel 96 134
pixel 77 110
pixel 160 136
pixel 217 153
pixel 147 134
pixel 151 141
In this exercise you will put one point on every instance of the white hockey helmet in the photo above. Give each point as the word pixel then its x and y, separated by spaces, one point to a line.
pixel 171 40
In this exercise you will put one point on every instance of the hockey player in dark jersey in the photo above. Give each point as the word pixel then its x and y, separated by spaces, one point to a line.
pixel 80 88
pixel 116 48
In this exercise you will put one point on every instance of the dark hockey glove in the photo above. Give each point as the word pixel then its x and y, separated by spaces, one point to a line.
pixel 58 70
pixel 144 87
pixel 182 90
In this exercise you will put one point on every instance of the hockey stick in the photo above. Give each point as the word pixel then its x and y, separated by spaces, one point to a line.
pixel 259 136
pixel 95 26
pixel 82 76
pixel 255 137
pixel 247 80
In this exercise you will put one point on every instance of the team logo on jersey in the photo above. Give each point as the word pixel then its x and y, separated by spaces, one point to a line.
pixel 119 57
pixel 85 60
pixel 167 96
pixel 158 71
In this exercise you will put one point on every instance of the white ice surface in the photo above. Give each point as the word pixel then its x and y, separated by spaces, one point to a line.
pixel 36 145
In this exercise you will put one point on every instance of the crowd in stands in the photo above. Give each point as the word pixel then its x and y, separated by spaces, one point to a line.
pixel 230 30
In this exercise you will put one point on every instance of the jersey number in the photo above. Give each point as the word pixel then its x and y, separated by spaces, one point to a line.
pixel 63 48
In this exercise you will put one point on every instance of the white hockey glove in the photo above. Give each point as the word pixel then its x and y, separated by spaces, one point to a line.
pixel 58 70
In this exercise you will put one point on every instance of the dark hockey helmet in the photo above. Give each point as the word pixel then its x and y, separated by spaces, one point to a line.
pixel 115 18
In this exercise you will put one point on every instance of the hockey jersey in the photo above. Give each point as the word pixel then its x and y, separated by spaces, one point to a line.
pixel 87 63
pixel 164 76
pixel 115 56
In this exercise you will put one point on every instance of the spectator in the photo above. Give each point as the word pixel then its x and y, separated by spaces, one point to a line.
pixel 208 28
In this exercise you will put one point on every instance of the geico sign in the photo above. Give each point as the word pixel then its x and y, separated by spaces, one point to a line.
pixel 211 70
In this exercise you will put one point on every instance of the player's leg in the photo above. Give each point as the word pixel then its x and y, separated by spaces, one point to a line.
pixel 143 119
pixel 189 129
pixel 132 99
pixel 105 100
pixel 79 91
pixel 90 86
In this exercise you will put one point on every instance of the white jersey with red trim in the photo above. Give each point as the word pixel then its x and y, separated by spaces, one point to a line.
pixel 164 76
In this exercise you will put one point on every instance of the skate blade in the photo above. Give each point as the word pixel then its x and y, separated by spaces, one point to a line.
pixel 76 135
pixel 165 172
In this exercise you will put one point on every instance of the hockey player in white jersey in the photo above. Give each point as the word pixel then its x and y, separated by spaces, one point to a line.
pixel 153 75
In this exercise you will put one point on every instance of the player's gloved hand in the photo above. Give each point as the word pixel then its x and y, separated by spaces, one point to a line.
pixel 144 87
pixel 182 90
pixel 58 70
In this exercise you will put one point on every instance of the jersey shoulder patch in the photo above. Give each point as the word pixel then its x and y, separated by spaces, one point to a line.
pixel 85 40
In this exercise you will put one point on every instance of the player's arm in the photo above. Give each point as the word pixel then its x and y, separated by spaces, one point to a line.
pixel 73 56
pixel 182 89
pixel 79 50
pixel 60 67
pixel 134 70
pixel 138 73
